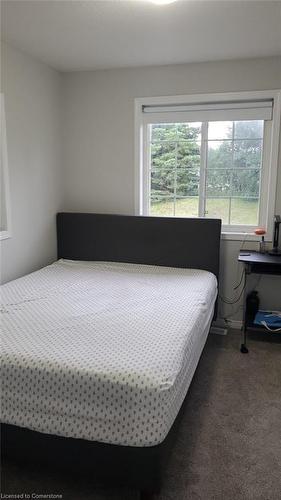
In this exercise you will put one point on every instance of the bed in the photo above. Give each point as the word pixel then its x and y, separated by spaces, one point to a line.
pixel 100 347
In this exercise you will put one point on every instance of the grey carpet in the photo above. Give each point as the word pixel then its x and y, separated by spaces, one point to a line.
pixel 229 443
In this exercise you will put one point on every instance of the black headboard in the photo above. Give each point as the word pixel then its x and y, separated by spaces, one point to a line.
pixel 162 241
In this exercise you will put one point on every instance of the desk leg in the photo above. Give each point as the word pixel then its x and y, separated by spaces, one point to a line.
pixel 243 347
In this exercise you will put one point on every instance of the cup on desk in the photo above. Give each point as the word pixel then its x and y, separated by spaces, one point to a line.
pixel 260 231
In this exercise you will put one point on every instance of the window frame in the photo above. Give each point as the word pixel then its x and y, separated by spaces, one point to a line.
pixel 269 155
pixel 6 233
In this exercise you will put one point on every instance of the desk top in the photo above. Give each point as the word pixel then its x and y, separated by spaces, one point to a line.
pixel 252 257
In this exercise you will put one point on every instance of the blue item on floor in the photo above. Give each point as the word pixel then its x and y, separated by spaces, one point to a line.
pixel 271 318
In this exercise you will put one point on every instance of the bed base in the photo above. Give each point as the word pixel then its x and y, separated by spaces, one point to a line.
pixel 162 241
pixel 137 467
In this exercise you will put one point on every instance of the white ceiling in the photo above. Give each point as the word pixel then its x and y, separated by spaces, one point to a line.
pixel 93 34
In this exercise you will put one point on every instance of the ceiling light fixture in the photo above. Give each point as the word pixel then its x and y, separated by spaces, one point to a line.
pixel 162 2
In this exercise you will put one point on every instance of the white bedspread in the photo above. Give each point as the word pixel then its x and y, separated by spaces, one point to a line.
pixel 102 351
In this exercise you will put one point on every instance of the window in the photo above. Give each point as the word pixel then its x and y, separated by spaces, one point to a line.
pixel 224 183
pixel 5 224
pixel 210 159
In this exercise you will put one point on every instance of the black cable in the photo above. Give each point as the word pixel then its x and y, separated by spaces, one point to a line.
pixel 231 302
pixel 237 286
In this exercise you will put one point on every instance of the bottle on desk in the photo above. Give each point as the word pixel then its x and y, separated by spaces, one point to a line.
pixel 261 232
pixel 262 245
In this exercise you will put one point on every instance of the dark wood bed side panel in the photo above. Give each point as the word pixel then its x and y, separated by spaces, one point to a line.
pixel 162 241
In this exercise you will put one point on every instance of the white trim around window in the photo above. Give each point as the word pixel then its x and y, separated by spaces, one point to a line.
pixel 5 231
pixel 189 105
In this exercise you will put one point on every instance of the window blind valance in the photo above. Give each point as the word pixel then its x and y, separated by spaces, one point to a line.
pixel 214 111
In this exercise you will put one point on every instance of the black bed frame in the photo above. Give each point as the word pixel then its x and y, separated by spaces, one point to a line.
pixel 162 241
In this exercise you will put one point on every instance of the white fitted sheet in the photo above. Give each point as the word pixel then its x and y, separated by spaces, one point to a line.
pixel 102 351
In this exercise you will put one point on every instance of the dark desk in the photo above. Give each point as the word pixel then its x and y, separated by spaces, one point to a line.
pixel 258 263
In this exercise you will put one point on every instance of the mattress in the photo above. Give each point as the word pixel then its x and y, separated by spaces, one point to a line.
pixel 102 351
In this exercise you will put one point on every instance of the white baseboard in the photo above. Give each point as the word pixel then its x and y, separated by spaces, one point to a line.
pixel 218 330
pixel 230 323
pixel 235 324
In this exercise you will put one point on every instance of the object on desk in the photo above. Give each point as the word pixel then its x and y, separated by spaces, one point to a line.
pixel 262 245
pixel 260 231
pixel 275 250
pixel 252 305
pixel 271 320
pixel 256 263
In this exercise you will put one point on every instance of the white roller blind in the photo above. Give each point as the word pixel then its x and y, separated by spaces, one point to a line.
pixel 214 111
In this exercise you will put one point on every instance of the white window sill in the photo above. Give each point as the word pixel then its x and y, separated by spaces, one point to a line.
pixel 235 236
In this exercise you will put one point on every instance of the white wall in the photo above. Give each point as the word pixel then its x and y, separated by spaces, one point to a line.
pixel 33 115
pixel 98 147
pixel 99 136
